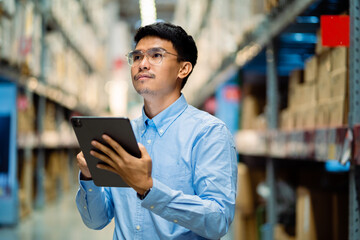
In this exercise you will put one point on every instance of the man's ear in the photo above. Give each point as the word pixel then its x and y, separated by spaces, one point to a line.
pixel 185 70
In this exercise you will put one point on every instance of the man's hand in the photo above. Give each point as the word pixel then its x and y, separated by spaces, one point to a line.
pixel 136 172
pixel 83 165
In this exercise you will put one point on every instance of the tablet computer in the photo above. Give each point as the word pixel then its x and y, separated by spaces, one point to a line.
pixel 92 128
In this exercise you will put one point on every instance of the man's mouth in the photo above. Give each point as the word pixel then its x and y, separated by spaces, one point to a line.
pixel 143 75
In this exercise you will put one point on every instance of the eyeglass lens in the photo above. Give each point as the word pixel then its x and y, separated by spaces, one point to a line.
pixel 154 56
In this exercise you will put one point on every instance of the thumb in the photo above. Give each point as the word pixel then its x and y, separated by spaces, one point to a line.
pixel 143 150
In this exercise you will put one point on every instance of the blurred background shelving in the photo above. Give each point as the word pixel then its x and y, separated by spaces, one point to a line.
pixel 291 103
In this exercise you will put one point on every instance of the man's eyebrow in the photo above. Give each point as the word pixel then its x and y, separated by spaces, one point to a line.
pixel 154 48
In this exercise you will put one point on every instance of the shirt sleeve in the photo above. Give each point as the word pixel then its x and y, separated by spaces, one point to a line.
pixel 211 210
pixel 94 205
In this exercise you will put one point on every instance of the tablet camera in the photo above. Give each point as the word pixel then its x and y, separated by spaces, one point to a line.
pixel 77 123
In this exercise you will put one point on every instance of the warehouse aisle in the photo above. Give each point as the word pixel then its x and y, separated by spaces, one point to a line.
pixel 59 220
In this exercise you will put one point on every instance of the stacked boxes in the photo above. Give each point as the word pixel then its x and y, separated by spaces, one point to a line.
pixel 320 214
pixel 26 182
pixel 57 175
pixel 319 98
pixel 26 115
pixel 245 216
pixel 65 48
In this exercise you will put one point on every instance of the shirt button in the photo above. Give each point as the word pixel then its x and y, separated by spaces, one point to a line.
pixel 137 227
pixel 152 207
pixel 161 131
pixel 142 131
pixel 149 141
pixel 84 207
pixel 175 221
pixel 90 189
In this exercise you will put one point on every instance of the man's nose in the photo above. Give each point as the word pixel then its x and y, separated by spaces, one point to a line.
pixel 144 64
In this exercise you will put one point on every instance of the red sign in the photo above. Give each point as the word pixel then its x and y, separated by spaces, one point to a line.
pixel 232 93
pixel 335 30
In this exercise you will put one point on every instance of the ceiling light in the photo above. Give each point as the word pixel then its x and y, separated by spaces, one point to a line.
pixel 147 12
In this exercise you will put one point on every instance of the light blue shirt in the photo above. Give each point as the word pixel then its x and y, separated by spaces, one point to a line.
pixel 194 171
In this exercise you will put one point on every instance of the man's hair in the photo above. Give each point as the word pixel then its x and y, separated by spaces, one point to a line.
pixel 183 43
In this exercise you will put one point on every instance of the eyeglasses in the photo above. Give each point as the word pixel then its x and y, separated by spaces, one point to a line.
pixel 154 56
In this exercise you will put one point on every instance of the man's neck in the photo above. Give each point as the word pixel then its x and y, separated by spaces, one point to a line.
pixel 153 105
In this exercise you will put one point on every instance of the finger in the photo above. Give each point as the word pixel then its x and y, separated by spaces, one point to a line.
pixel 109 152
pixel 116 146
pixel 106 167
pixel 103 158
pixel 143 150
pixel 80 159
pixel 80 156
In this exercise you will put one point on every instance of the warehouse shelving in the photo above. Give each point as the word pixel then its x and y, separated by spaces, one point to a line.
pixel 55 94
pixel 260 51
pixel 54 22
pixel 251 45
pixel 45 148
pixel 319 144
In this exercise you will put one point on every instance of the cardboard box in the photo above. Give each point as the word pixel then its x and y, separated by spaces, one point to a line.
pixel 305 220
pixel 309 118
pixel 244 199
pixel 296 97
pixel 319 48
pixel 321 214
pixel 308 94
pixel 287 121
pixel 324 66
pixel 322 115
pixel 245 227
pixel 296 77
pixel 323 91
pixel 26 180
pixel 338 114
pixel 339 58
pixel 299 118
pixel 311 70
pixel 250 112
pixel 340 84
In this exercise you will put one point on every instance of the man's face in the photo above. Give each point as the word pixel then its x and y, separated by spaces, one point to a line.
pixel 157 79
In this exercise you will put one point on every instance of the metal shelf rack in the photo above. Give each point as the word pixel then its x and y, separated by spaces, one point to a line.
pixel 40 142
pixel 316 144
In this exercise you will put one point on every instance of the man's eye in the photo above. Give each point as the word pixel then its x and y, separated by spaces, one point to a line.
pixel 156 55
pixel 136 57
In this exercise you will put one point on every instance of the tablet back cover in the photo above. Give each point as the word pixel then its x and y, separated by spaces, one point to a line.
pixel 92 128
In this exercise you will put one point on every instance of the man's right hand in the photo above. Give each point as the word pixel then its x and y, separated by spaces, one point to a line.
pixel 83 166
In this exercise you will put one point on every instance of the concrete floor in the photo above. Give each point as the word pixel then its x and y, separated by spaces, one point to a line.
pixel 57 221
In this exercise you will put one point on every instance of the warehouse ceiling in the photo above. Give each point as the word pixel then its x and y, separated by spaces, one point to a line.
pixel 130 11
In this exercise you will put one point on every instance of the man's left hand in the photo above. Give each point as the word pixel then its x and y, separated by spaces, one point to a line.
pixel 136 172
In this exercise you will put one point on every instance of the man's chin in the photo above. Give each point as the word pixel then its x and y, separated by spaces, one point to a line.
pixel 145 92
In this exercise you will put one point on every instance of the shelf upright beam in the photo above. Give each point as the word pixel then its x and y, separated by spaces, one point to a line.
pixel 272 92
pixel 40 166
pixel 354 116
pixel 271 116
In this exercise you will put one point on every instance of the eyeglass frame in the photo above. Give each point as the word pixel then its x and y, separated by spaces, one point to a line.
pixel 146 54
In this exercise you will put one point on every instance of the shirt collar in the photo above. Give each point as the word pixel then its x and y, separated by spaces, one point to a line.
pixel 164 119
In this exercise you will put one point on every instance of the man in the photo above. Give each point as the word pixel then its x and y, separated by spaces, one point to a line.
pixel 184 184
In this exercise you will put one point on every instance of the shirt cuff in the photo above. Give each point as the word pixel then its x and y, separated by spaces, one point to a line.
pixel 88 185
pixel 159 197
